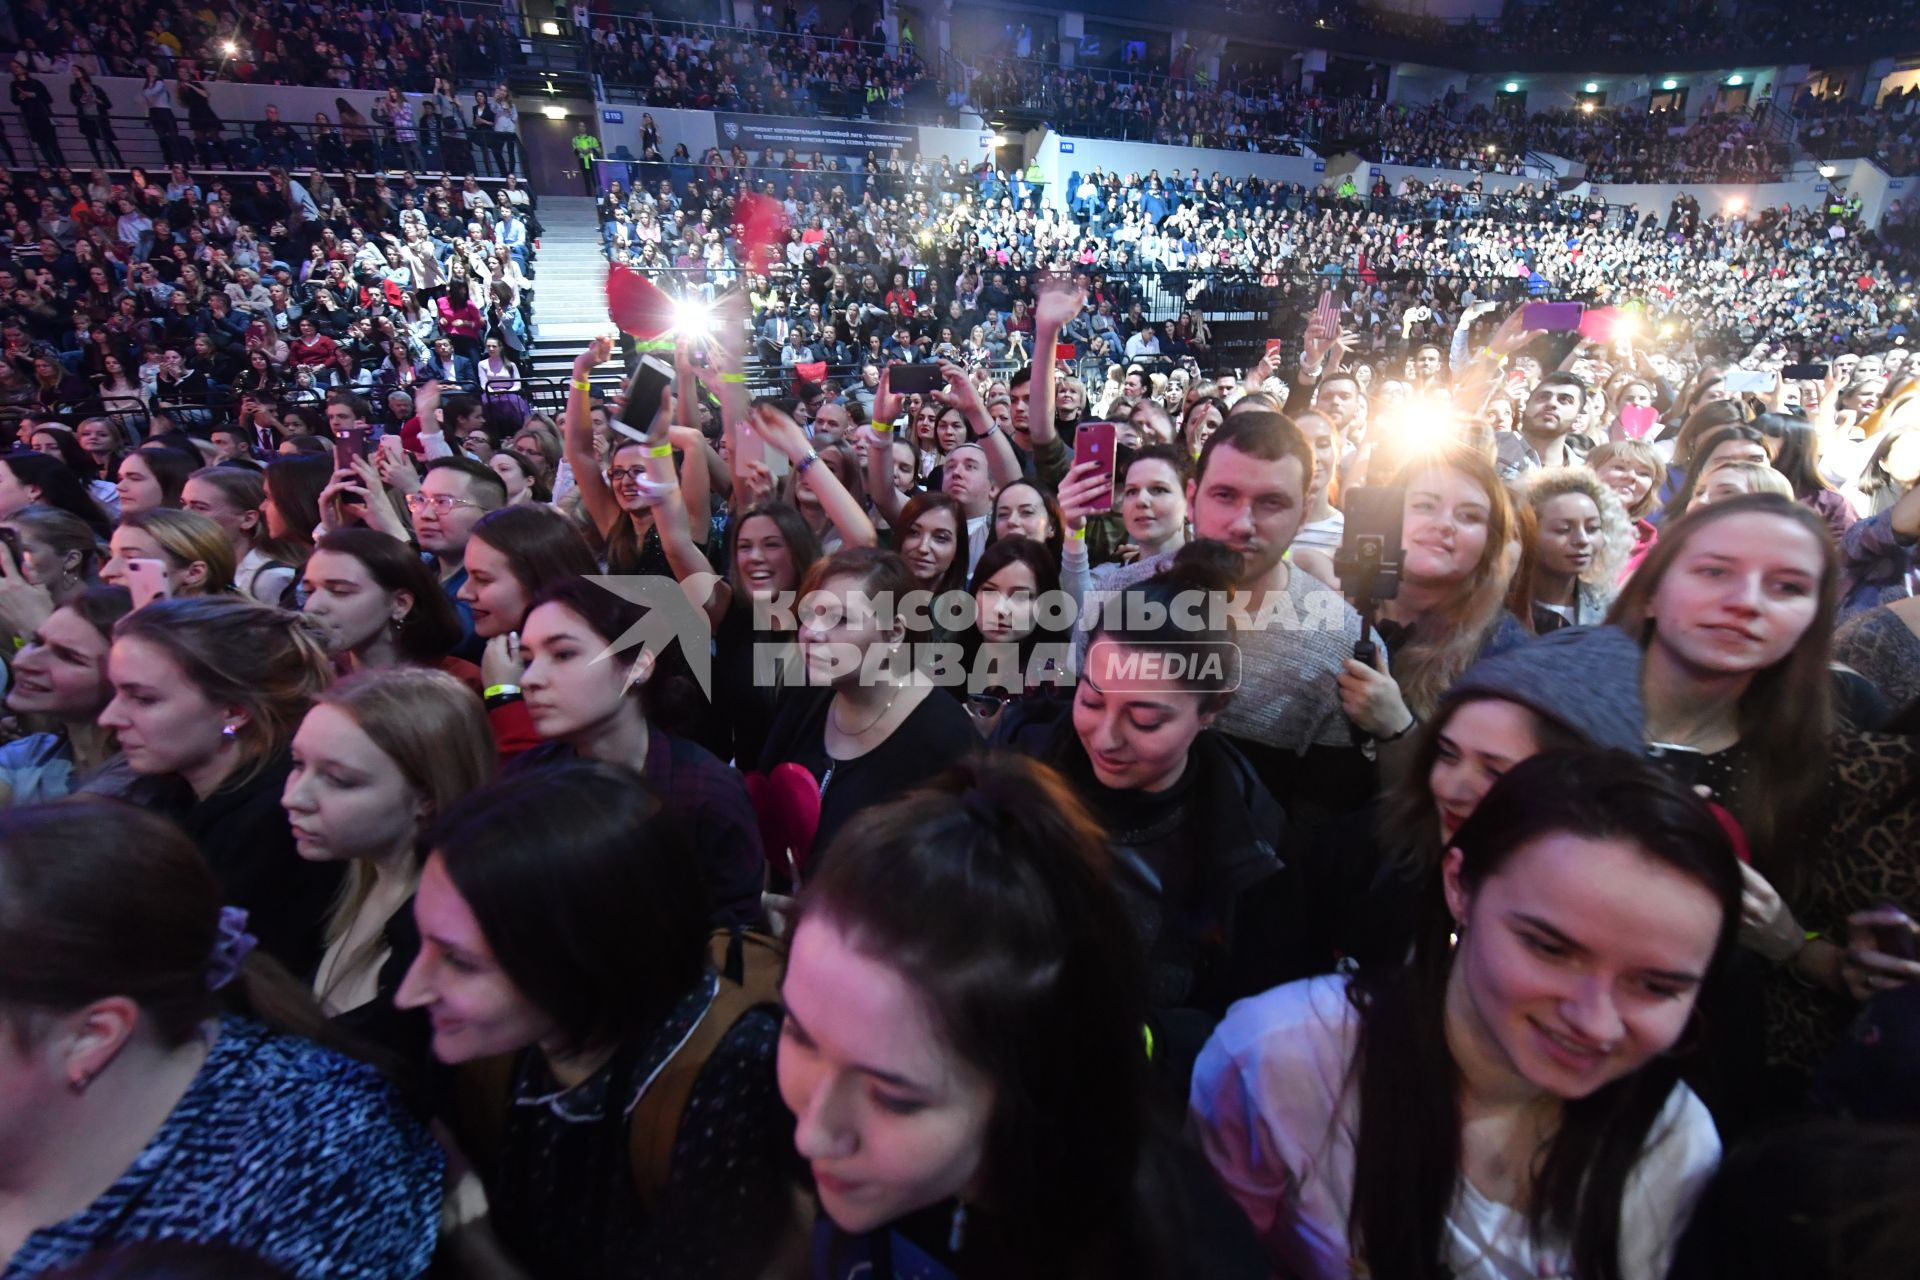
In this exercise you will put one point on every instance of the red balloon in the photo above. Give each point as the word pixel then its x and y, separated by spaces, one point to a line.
pixel 637 305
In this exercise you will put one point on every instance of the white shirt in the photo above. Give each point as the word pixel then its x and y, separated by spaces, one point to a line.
pixel 1278 1122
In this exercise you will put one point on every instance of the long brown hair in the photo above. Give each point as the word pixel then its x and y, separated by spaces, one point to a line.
pixel 1785 715
pixel 1444 643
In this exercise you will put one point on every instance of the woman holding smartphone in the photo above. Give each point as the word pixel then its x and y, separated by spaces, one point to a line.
pixel 165 553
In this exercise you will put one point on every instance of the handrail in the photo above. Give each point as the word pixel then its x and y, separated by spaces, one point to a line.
pixel 372 148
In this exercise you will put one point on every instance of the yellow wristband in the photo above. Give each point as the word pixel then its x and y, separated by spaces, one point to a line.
pixel 580 384
pixel 884 428
pixel 502 690
pixel 733 377
pixel 661 451
pixel 1077 535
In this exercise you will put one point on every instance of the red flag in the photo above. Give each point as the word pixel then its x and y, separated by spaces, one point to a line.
pixel 760 229
pixel 637 305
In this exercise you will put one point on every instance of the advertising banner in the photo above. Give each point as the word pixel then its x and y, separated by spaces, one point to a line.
pixel 805 136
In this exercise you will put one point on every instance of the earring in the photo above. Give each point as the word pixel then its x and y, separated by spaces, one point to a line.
pixel 1453 934
pixel 227 731
pixel 80 1082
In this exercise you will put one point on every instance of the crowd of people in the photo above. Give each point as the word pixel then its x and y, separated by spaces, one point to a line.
pixel 788 73
pixel 1051 846
pixel 410 48
pixel 181 300
pixel 1888 131
pixel 920 256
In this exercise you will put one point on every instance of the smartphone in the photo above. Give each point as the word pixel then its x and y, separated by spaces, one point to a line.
pixel 1757 381
pixel 1805 373
pixel 146 581
pixel 1273 350
pixel 1370 541
pixel 1064 351
pixel 1094 442
pixel 915 379
pixel 645 390
pixel 349 445
pixel 1560 317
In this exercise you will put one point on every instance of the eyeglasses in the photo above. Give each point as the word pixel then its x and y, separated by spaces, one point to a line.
pixel 617 474
pixel 442 504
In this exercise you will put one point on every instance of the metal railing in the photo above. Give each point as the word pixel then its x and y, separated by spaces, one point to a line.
pixel 130 141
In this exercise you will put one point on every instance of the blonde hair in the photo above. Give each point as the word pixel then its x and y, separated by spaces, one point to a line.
pixel 1640 453
pixel 1758 476
pixel 187 537
pixel 435 731
pixel 1545 484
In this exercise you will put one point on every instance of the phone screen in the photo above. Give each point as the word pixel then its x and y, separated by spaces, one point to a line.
pixel 644 392
pixel 910 379
pixel 351 444
pixel 1094 442
pixel 146 581
pixel 1554 316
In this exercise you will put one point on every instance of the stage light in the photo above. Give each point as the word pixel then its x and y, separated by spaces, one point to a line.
pixel 1593 86
pixel 1827 171
pixel 1669 84
pixel 229 47
pixel 1736 81
pixel 693 319
pixel 1736 204
pixel 1513 86
pixel 549 28
pixel 552 112
pixel 1587 107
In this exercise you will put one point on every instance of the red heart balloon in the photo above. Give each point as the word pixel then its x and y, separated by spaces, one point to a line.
pixel 786 803
pixel 637 305
pixel 760 229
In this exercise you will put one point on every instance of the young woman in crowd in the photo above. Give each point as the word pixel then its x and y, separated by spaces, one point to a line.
pixel 931 538
pixel 1456 568
pixel 196 554
pixel 58 442
pixel 1735 613
pixel 562 966
pixel 1798 459
pixel 584 705
pixel 234 498
pixel 206 695
pixel 378 759
pixel 1153 507
pixel 962 1050
pixel 1364 871
pixel 1508 1103
pixel 163 1079
pixel 1010 650
pixel 612 499
pixel 868 724
pixel 32 479
pixel 1732 479
pixel 1196 835
pixel 57 552
pixel 292 509
pixel 378 605
pixel 512 555
pixel 1635 473
pixel 153 477
pixel 60 682
pixel 521 476
pixel 1580 538
pixel 1729 444
pixel 1023 509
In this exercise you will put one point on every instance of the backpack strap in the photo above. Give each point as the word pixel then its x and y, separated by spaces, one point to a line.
pixel 654 1127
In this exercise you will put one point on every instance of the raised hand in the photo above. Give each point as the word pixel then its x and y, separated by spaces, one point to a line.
pixel 598 352
pixel 1057 299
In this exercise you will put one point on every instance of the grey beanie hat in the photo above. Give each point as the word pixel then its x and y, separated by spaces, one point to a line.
pixel 1585 678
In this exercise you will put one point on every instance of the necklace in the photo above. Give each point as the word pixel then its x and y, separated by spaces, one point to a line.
pixel 833 716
